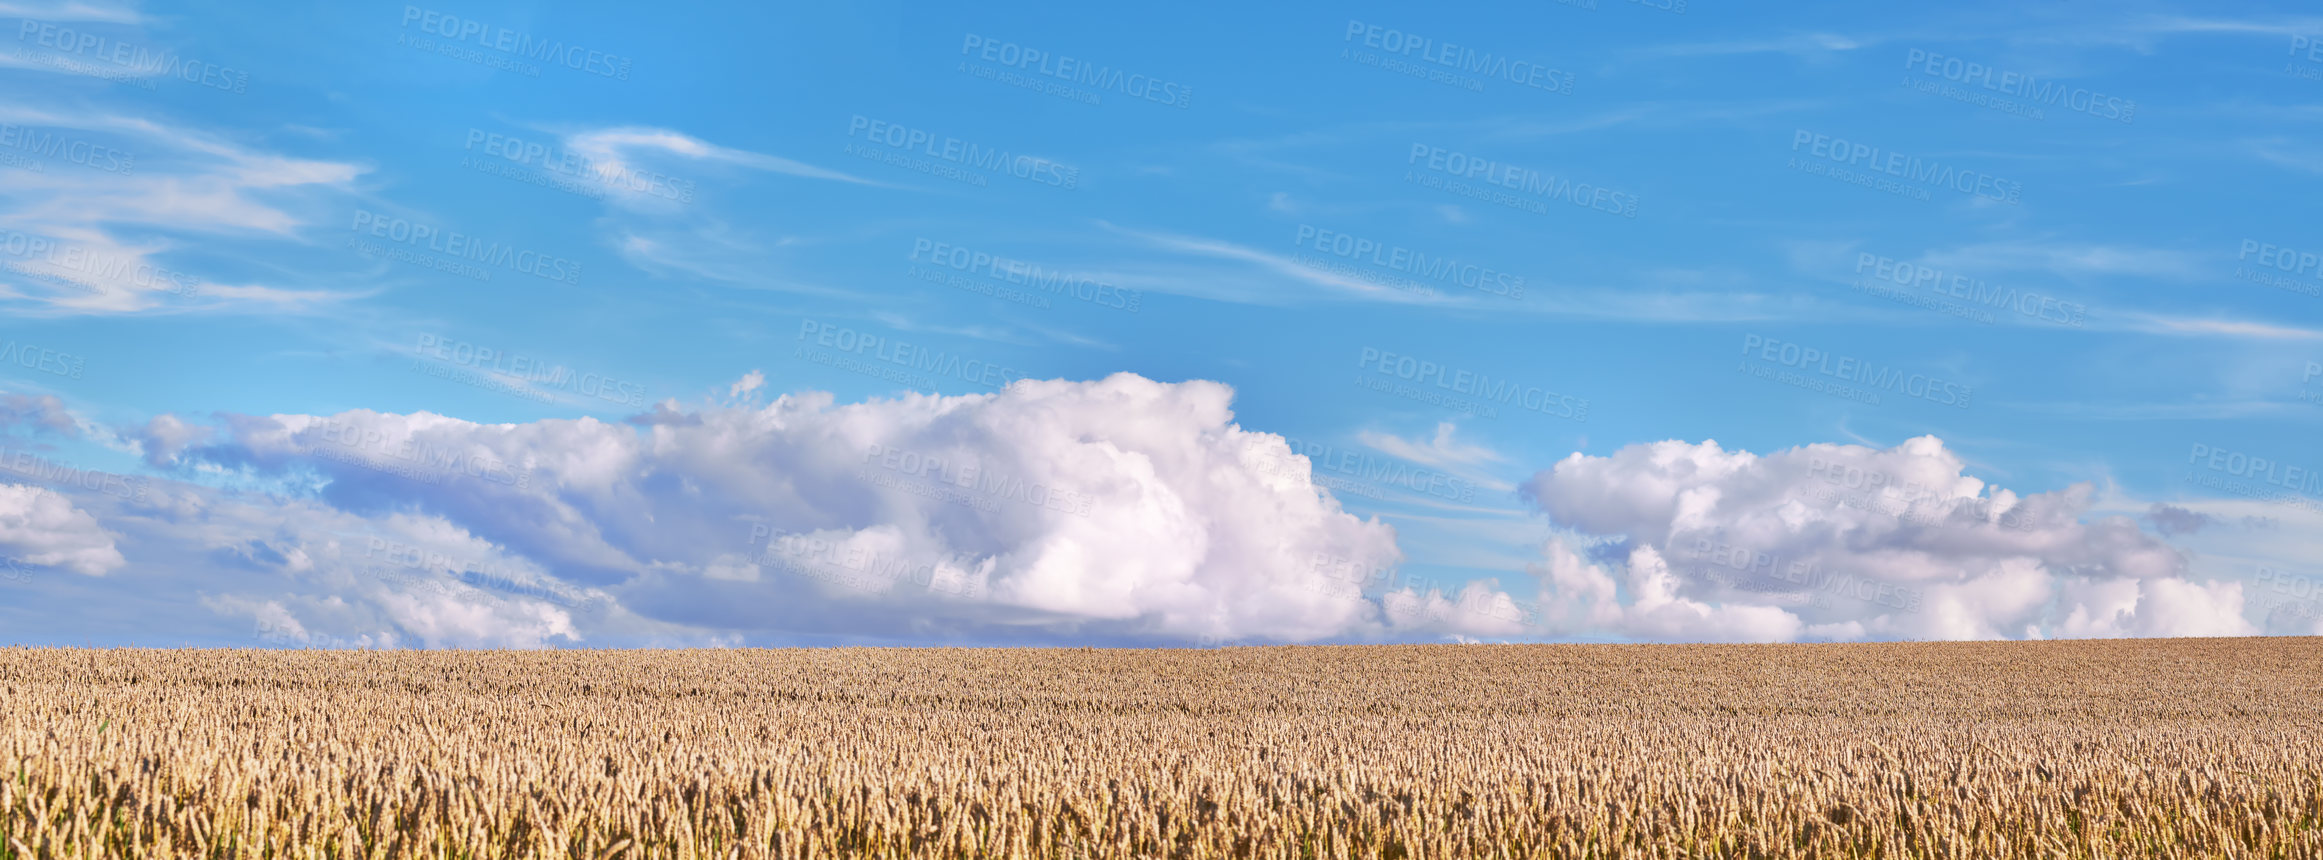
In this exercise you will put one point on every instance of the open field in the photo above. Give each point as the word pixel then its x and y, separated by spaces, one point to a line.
pixel 2084 749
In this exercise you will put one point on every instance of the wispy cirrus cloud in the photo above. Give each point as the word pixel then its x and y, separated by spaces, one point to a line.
pixel 74 10
pixel 614 149
pixel 1808 45
pixel 2218 327
pixel 1441 449
pixel 108 241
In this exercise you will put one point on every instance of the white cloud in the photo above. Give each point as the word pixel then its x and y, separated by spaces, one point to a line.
pixel 71 10
pixel 44 528
pixel 445 617
pixel 661 217
pixel 1441 450
pixel 183 179
pixel 104 242
pixel 1121 508
pixel 294 571
pixel 2200 327
pixel 165 435
pixel 1282 270
pixel 612 151
pixel 1673 540
pixel 42 413
pixel 1805 45
pixel 1478 610
pixel 2067 259
pixel 2288 26
pixel 748 385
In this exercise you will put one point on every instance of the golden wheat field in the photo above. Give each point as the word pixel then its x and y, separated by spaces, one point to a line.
pixel 2088 749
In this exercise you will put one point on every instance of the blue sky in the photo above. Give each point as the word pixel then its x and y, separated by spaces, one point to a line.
pixel 2067 244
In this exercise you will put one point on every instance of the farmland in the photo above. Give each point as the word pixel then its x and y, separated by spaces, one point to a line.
pixel 2043 749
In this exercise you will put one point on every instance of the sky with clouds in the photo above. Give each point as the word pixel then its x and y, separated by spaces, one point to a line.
pixel 1599 320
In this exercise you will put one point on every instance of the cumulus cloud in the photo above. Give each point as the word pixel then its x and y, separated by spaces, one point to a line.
pixel 664 412
pixel 164 436
pixel 43 413
pixel 1474 611
pixel 293 571
pixel 2172 520
pixel 44 528
pixel 1121 511
pixel 747 386
pixel 1122 508
pixel 1679 541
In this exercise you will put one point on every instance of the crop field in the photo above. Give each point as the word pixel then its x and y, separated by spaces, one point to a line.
pixel 2167 748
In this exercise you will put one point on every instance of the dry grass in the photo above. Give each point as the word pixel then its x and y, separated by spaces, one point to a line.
pixel 2093 749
